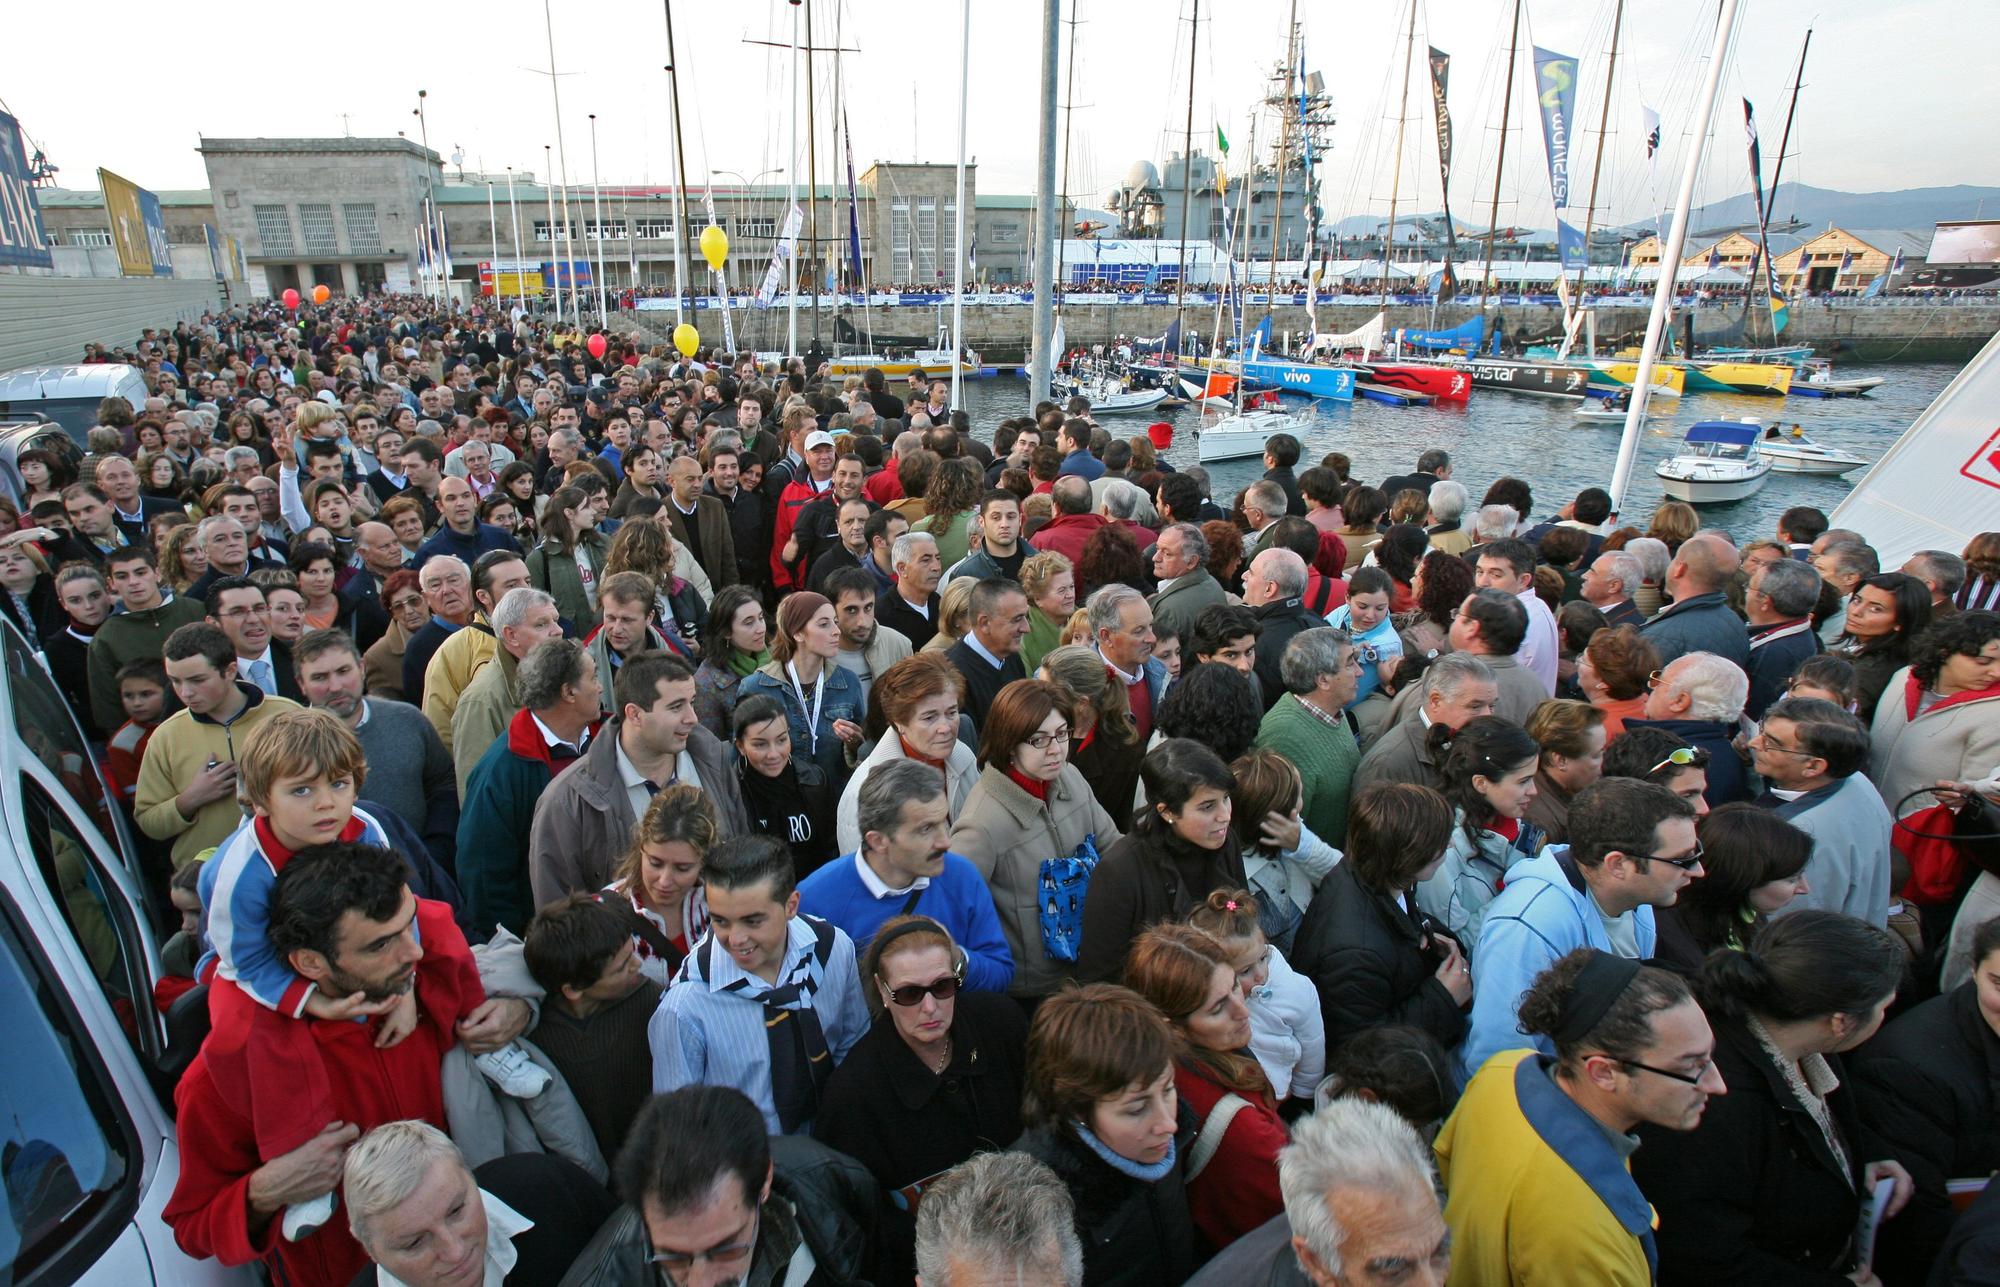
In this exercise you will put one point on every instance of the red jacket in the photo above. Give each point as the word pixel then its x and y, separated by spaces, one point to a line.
pixel 796 496
pixel 883 486
pixel 1238 1190
pixel 1067 534
pixel 209 1209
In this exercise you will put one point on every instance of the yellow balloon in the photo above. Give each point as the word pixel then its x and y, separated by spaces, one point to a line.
pixel 714 246
pixel 686 339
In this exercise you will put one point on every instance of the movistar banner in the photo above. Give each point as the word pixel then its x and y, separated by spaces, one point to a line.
pixel 1555 90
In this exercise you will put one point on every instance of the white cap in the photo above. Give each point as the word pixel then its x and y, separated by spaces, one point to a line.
pixel 818 438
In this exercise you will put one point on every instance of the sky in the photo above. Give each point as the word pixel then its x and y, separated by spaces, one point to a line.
pixel 138 104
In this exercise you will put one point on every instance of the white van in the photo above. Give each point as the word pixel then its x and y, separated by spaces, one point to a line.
pixel 69 394
pixel 88 1156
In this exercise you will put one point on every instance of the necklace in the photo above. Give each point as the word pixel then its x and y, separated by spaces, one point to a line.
pixel 944 1058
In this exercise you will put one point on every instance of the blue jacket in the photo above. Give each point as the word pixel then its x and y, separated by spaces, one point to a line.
pixel 843 700
pixel 1773 662
pixel 485 536
pixel 1081 464
pixel 1728 777
pixel 1701 623
pixel 1541 916
pixel 956 898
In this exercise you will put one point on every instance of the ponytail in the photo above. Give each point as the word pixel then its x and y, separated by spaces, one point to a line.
pixel 1806 965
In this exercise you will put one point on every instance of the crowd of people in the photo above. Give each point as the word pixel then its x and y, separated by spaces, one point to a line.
pixel 632 818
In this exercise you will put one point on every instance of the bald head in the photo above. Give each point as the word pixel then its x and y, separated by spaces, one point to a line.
pixel 1706 562
pixel 1071 495
pixel 1274 575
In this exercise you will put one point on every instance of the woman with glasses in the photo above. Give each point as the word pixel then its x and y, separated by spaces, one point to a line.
pixel 1884 614
pixel 1754 865
pixel 1232 1167
pixel 1373 956
pixel 1768 1185
pixel 383 662
pixel 917 700
pixel 1035 832
pixel 1287 1033
pixel 935 1079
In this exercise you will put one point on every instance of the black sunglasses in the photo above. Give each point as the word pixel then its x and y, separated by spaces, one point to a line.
pixel 910 994
pixel 1688 863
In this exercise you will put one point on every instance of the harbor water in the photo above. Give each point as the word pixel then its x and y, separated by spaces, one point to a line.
pixel 1541 442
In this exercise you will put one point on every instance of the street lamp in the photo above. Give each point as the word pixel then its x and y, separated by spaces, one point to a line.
pixel 751 182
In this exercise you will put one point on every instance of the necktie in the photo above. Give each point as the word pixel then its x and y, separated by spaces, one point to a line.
pixel 260 675
pixel 654 788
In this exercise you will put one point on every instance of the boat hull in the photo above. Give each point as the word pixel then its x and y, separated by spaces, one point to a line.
pixel 1611 375
pixel 1309 379
pixel 1599 416
pixel 1755 378
pixel 1830 464
pixel 1446 384
pixel 1836 388
pixel 1129 403
pixel 1703 484
pixel 1544 379
pixel 1240 437
pixel 932 364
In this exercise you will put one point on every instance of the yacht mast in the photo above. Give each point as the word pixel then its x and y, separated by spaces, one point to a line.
pixel 1187 170
pixel 1500 166
pixel 1597 163
pixel 1284 156
pixel 1395 182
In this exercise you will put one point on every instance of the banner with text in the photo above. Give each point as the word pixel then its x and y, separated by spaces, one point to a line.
pixel 774 275
pixel 1555 91
pixel 24 240
pixel 137 229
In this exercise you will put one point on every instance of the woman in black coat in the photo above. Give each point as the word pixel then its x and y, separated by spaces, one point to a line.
pixel 1179 851
pixel 936 1079
pixel 1929 1088
pixel 1767 1187
pixel 1102 1114
pixel 786 798
pixel 1373 960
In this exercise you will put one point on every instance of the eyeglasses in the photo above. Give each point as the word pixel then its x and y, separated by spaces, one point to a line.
pixel 1054 737
pixel 1689 863
pixel 1680 1077
pixel 1683 756
pixel 1764 743
pixel 673 1264
pixel 1653 680
pixel 944 989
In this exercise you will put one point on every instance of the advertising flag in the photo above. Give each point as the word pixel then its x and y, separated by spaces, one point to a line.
pixel 774 273
pixel 853 208
pixel 137 228
pixel 1555 92
pixel 215 252
pixel 1222 166
pixel 24 240
pixel 1440 75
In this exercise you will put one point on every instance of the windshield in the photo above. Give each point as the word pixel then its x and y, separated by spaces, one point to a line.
pixel 77 415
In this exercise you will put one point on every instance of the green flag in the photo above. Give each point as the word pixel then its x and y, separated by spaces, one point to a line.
pixel 1221 141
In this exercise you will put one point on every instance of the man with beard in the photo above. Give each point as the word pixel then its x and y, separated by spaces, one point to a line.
pixel 817 528
pixel 867 648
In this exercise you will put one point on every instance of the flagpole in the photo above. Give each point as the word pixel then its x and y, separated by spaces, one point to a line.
pixel 514 213
pixel 1396 179
pixel 549 190
pixel 562 155
pixel 1670 255
pixel 791 204
pixel 597 213
pixel 493 234
pixel 958 232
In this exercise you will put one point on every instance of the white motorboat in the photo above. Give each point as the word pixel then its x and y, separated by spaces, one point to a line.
pixel 1109 398
pixel 1817 380
pixel 1242 436
pixel 1794 453
pixel 1601 415
pixel 1717 462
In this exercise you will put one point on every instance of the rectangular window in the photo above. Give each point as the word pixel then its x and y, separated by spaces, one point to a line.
pixel 545 231
pixel 90 236
pixel 756 226
pixel 608 229
pixel 1005 234
pixel 364 234
pixel 654 229
pixel 899 242
pixel 316 228
pixel 274 229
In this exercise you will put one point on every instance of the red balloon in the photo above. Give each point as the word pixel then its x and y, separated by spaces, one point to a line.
pixel 291 298
pixel 596 345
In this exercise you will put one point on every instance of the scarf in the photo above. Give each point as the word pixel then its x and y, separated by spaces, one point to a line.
pixel 911 753
pixel 1037 789
pixel 742 663
pixel 1124 1165
pixel 800 1060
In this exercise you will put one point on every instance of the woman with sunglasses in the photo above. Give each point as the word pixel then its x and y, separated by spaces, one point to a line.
pixel 1768 1185
pixel 935 1079
pixel 1032 826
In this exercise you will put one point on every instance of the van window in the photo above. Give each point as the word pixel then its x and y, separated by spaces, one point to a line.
pixel 68 1159
pixel 49 730
pixel 95 911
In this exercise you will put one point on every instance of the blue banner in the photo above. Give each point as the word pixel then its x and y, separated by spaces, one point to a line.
pixel 24 242
pixel 215 260
pixel 156 234
pixel 1555 91
pixel 1466 335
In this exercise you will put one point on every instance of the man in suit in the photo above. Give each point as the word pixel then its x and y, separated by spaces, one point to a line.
pixel 132 512
pixel 700 522
pixel 1263 505
pixel 989 655
pixel 1433 466
pixel 236 604
pixel 1608 584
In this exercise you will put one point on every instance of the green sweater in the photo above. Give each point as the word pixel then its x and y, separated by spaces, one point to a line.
pixel 132 636
pixel 1326 758
pixel 1044 637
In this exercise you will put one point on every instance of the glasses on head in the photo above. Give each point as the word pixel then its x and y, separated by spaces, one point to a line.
pixel 1670 1075
pixel 1687 862
pixel 1681 756
pixel 1653 680
pixel 1054 737
pixel 944 989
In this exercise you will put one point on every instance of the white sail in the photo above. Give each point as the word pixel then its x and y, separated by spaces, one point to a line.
pixel 1940 484
pixel 1367 338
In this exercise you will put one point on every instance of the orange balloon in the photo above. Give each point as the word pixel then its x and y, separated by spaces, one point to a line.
pixel 321 294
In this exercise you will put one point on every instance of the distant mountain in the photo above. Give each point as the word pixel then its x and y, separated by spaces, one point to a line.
pixel 1916 208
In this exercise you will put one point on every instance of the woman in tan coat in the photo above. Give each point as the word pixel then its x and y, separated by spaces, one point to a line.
pixel 383 662
pixel 1034 830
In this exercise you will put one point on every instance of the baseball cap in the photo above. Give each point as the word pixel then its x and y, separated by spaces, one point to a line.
pixel 818 438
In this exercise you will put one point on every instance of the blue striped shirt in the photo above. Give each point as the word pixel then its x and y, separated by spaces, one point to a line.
pixel 703 1036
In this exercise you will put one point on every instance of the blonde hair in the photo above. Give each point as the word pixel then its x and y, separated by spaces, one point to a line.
pixel 298 744
pixel 387 1165
pixel 680 814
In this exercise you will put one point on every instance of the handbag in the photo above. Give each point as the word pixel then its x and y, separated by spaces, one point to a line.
pixel 1939 844
pixel 1061 884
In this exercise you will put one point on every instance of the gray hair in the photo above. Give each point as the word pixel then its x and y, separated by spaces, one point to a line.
pixel 1194 544
pixel 906 442
pixel 890 786
pixel 1200 477
pixel 1350 1144
pixel 1790 584
pixel 1286 570
pixel 1106 606
pixel 568 435
pixel 1312 653
pixel 550 666
pixel 1852 558
pixel 1625 569
pixel 516 604
pixel 1942 570
pixel 1448 500
pixel 429 429
pixel 386 1166
pixel 1653 557
pixel 1716 687
pixel 1121 499
pixel 212 525
pixel 905 545
pixel 238 455
pixel 1449 674
pixel 443 562
pixel 1495 522
pixel 1266 497
pixel 1006 1213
